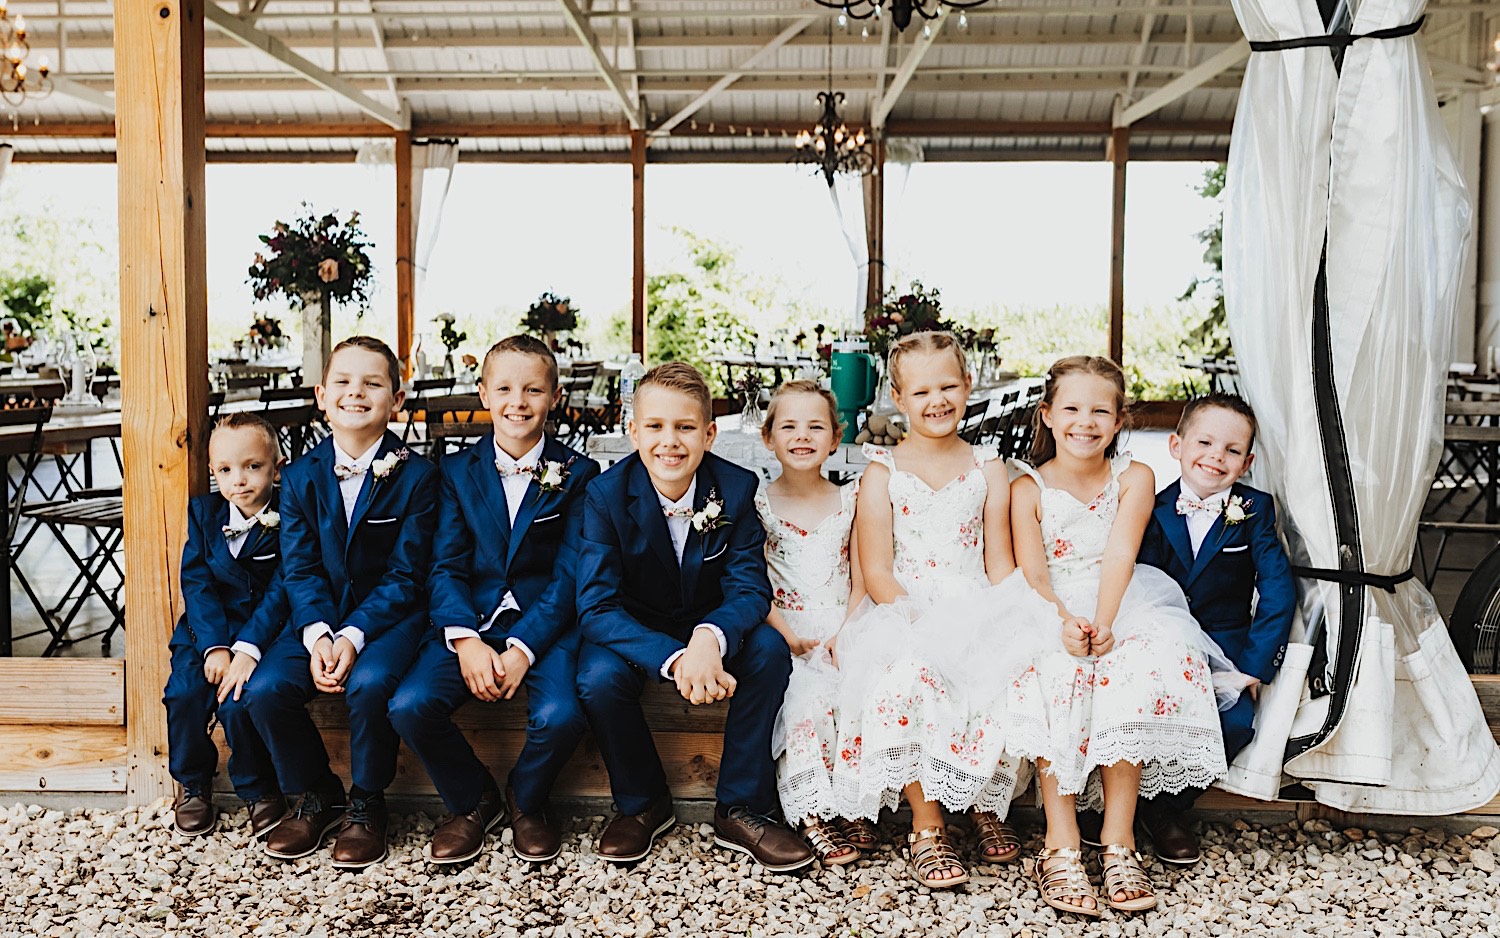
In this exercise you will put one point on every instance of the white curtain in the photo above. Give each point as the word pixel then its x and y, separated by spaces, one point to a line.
pixel 1349 392
pixel 6 151
pixel 848 198
pixel 432 176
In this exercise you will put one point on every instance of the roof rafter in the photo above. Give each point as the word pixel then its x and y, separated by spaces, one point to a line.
pixel 1138 55
pixel 882 108
pixel 577 19
pixel 248 35
pixel 87 94
pixel 764 52
pixel 1196 77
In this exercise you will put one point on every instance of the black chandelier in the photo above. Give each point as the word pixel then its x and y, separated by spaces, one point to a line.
pixel 901 10
pixel 829 144
pixel 15 82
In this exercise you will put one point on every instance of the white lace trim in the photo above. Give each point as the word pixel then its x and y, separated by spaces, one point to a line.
pixel 881 776
pixel 1172 757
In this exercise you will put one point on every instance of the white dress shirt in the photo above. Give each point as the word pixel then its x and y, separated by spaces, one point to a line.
pixel 678 529
pixel 515 486
pixel 1199 522
pixel 348 488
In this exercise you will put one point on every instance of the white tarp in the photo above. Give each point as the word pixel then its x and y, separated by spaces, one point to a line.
pixel 1350 392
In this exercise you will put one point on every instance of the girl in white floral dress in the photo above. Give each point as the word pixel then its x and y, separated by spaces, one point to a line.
pixel 813 581
pixel 926 663
pixel 1122 687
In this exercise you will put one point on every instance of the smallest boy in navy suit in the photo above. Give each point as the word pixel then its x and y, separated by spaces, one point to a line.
pixel 1217 538
pixel 232 594
pixel 502 609
pixel 672 586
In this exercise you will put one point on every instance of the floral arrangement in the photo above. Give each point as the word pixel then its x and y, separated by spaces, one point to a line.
pixel 265 330
pixel 388 463
pixel 712 516
pixel 314 256
pixel 449 335
pixel 1236 510
pixel 917 310
pixel 550 313
pixel 748 388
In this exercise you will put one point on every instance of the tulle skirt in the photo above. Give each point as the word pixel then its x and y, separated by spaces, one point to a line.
pixel 805 736
pixel 923 697
pixel 1152 700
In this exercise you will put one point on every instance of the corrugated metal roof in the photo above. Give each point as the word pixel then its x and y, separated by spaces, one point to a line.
pixel 482 63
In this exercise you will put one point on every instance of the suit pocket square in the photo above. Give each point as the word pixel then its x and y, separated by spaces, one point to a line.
pixel 264 557
pixel 382 520
pixel 551 517
pixel 716 554
pixel 1235 550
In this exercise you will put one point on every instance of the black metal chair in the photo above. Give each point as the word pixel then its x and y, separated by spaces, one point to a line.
pixel 973 421
pixel 416 402
pixel 453 419
pixel 102 520
pixel 295 415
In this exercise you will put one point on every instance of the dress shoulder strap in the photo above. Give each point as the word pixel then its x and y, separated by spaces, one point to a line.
pixel 983 454
pixel 1118 464
pixel 881 455
pixel 1028 469
pixel 848 493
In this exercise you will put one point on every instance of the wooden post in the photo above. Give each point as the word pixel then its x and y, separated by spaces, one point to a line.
pixel 638 242
pixel 1119 155
pixel 406 252
pixel 875 229
pixel 163 345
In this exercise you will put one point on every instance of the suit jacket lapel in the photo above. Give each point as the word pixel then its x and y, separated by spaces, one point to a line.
pixel 1175 525
pixel 221 557
pixel 1215 538
pixel 645 508
pixel 326 484
pixel 491 489
pixel 372 487
pixel 258 534
pixel 534 499
pixel 692 549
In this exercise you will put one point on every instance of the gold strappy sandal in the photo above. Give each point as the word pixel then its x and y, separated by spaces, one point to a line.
pixel 931 853
pixel 1122 871
pixel 860 832
pixel 1065 885
pixel 995 834
pixel 829 843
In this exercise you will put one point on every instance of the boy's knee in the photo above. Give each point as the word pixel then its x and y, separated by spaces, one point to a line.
pixel 764 651
pixel 411 709
pixel 557 718
pixel 604 682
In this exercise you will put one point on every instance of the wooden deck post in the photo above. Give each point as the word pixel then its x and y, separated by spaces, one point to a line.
pixel 875 230
pixel 1119 155
pixel 163 345
pixel 638 242
pixel 406 252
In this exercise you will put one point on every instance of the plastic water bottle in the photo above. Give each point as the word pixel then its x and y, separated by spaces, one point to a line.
pixel 630 376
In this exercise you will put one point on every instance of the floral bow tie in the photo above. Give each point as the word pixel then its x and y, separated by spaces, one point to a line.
pixel 1187 504
pixel 232 531
pixel 345 473
pixel 680 511
pixel 506 471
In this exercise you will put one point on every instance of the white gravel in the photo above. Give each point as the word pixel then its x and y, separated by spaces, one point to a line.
pixel 109 873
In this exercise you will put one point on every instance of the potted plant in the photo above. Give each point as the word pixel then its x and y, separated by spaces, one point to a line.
pixel 548 316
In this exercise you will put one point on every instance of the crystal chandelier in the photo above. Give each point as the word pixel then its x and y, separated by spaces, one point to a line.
pixel 828 144
pixel 15 81
pixel 901 10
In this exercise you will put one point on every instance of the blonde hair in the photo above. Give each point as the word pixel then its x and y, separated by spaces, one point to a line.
pixel 523 345
pixel 244 420
pixel 681 377
pixel 1043 443
pixel 802 386
pixel 925 342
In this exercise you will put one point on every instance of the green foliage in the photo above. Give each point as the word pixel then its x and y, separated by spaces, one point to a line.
pixel 28 298
pixel 702 310
pixel 550 313
pixel 312 256
pixel 1212 333
pixel 75 256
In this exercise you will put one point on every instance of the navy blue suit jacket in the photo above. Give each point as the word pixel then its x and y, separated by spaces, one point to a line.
pixel 227 598
pixel 632 595
pixel 477 556
pixel 371 573
pixel 1233 563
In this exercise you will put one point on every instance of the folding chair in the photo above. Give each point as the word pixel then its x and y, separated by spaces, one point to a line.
pixel 295 415
pixel 453 418
pixel 416 402
pixel 102 520
pixel 973 420
pixel 11 503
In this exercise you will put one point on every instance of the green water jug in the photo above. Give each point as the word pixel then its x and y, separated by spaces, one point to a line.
pixel 853 379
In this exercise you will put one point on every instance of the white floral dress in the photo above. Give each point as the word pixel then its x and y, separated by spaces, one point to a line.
pixel 810 583
pixel 1150 700
pixel 923 692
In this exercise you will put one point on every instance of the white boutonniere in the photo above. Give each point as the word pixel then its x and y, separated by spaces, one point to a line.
pixel 712 515
pixel 1237 509
pixel 387 464
pixel 551 475
pixel 269 519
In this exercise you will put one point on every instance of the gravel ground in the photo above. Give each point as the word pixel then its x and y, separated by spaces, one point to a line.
pixel 116 873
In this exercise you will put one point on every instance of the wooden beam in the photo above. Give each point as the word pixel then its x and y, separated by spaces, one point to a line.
pixel 882 109
pixel 638 242
pixel 1196 77
pixel 62 691
pixel 874 186
pixel 760 55
pixel 406 271
pixel 87 94
pixel 1138 54
pixel 163 345
pixel 253 38
pixel 69 758
pixel 612 77
pixel 1119 155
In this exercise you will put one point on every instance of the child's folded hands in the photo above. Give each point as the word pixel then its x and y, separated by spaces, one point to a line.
pixel 215 663
pixel 1075 636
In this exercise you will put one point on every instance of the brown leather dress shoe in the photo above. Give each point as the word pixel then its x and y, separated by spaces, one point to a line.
pixel 534 837
pixel 361 840
pixel 301 832
pixel 460 838
pixel 193 814
pixel 629 836
pixel 773 845
pixel 266 813
pixel 1171 840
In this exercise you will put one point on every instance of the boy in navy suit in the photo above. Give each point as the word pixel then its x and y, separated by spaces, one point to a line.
pixel 672 586
pixel 357 533
pixel 1217 538
pixel 232 594
pixel 501 600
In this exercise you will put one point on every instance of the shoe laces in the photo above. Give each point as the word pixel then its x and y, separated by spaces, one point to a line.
pixel 310 805
pixel 750 818
pixel 359 811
